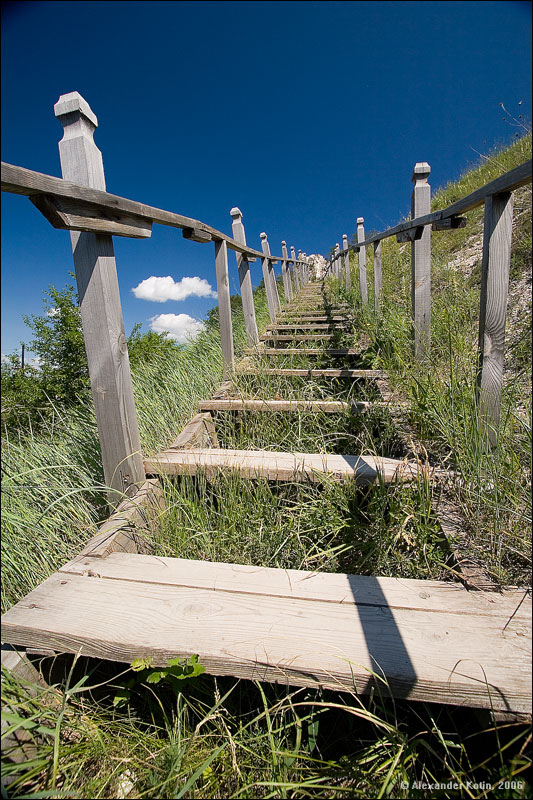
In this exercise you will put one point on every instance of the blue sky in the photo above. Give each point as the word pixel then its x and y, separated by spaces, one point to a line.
pixel 304 114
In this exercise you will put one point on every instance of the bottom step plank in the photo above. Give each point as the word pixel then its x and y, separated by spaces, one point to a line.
pixel 318 373
pixel 422 640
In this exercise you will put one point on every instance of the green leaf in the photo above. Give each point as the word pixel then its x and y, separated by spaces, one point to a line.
pixel 156 676
pixel 141 663
pixel 122 697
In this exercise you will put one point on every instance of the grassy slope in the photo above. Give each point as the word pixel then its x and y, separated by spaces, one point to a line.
pixel 263 740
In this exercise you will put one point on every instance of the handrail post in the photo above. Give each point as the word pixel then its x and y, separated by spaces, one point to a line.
pixel 287 284
pixel 301 268
pixel 421 263
pixel 336 262
pixel 269 280
pixel 495 265
pixel 100 309
pixel 378 275
pixel 295 269
pixel 347 276
pixel 245 279
pixel 224 307
pixel 362 261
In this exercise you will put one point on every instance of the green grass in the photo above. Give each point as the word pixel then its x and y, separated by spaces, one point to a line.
pixel 226 738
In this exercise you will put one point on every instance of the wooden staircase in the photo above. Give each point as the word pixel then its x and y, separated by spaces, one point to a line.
pixel 416 639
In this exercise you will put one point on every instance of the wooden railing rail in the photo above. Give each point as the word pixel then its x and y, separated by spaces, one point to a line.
pixel 79 202
pixel 497 198
pixel 98 211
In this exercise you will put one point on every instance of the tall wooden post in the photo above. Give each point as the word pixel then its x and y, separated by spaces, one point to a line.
pixel 337 260
pixel 268 278
pixel 295 269
pixel 362 260
pixel 300 268
pixel 101 312
pixel 245 279
pixel 347 276
pixel 378 275
pixel 495 264
pixel 224 307
pixel 287 284
pixel 421 263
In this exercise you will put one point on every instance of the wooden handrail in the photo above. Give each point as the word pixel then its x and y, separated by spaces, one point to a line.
pixel 18 180
pixel 508 182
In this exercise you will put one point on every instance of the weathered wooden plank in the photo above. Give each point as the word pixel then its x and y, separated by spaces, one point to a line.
pixel 68 214
pixel 101 313
pixel 496 260
pixel 129 528
pixel 306 326
pixel 199 432
pixel 361 255
pixel 450 223
pixel 421 264
pixel 224 307
pixel 378 276
pixel 196 235
pixel 287 626
pixel 324 373
pixel 327 406
pixel 19 180
pixel 304 351
pixel 297 337
pixel 406 593
pixel 364 470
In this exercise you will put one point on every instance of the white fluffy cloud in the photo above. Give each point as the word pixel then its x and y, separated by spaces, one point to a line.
pixel 159 290
pixel 180 327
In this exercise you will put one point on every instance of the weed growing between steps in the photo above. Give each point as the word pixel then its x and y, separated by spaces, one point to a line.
pixel 328 527
pixel 492 486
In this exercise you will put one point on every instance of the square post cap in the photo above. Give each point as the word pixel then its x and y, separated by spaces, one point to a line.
pixel 263 236
pixel 360 220
pixel 421 171
pixel 72 103
pixel 235 212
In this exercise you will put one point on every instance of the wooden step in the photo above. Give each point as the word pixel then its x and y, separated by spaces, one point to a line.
pixel 308 318
pixel 318 373
pixel 277 466
pixel 297 337
pixel 307 326
pixel 315 351
pixel 327 406
pixel 429 641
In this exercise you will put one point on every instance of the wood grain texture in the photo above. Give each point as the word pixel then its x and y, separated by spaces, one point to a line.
pixel 101 313
pixel 67 214
pixel 305 326
pixel 224 307
pixel 495 264
pixel 306 351
pixel 93 201
pixel 129 528
pixel 272 302
pixel 327 406
pixel 288 626
pixel 361 255
pixel 421 264
pixel 277 466
pixel 245 280
pixel 323 373
pixel 296 337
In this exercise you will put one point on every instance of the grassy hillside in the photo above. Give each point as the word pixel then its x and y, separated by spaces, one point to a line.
pixel 221 738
